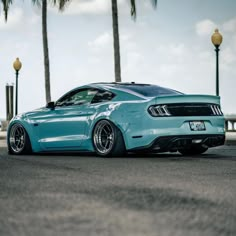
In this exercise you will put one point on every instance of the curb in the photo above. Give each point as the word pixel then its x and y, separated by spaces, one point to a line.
pixel 3 136
pixel 230 142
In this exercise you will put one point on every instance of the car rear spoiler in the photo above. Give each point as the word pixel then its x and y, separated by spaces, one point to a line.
pixel 187 98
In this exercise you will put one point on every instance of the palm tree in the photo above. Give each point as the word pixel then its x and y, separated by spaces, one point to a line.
pixel 61 4
pixel 116 41
pixel 44 3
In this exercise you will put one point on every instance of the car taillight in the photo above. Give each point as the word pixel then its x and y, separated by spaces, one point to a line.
pixel 216 110
pixel 158 110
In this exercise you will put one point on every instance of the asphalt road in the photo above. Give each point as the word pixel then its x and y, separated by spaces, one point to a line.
pixel 164 194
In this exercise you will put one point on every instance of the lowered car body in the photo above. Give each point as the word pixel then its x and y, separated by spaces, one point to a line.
pixel 113 118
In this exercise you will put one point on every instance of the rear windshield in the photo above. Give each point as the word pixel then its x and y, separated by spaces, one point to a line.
pixel 149 90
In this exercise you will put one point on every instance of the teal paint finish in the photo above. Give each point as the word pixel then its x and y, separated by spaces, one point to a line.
pixel 71 127
pixel 185 98
pixel 150 130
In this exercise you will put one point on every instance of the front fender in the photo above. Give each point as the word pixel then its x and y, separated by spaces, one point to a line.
pixel 28 126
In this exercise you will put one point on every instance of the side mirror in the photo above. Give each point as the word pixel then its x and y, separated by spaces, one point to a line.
pixel 51 105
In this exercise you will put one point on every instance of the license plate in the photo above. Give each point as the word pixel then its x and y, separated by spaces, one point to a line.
pixel 197 125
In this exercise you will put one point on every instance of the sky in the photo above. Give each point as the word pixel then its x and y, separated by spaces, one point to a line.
pixel 170 46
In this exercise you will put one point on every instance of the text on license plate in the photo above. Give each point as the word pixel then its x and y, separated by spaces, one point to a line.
pixel 197 125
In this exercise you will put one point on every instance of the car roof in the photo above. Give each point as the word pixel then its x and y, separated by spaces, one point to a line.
pixel 126 87
pixel 137 89
pixel 117 84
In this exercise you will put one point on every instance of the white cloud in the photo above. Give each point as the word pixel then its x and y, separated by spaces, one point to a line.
pixel 169 70
pixel 134 60
pixel 34 20
pixel 205 27
pixel 15 17
pixel 90 7
pixel 230 26
pixel 228 56
pixel 205 56
pixel 178 49
pixel 18 18
pixel 101 42
pixel 234 41
pixel 173 53
pixel 127 42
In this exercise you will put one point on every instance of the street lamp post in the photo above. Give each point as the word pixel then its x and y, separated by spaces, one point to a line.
pixel 17 66
pixel 217 39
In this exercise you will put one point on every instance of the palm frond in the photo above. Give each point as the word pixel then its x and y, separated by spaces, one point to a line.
pixel 6 4
pixel 37 2
pixel 61 3
pixel 133 8
pixel 154 3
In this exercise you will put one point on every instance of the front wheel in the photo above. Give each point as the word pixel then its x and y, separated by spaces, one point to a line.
pixel 18 140
pixel 108 139
pixel 194 150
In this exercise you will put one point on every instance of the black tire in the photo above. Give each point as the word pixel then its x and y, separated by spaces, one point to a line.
pixel 18 140
pixel 108 140
pixel 194 150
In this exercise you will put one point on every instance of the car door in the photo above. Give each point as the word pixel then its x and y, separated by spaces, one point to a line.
pixel 64 126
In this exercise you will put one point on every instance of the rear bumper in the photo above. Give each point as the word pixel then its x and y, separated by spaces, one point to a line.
pixel 176 142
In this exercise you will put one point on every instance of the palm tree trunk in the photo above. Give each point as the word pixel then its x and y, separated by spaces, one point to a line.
pixel 116 41
pixel 46 51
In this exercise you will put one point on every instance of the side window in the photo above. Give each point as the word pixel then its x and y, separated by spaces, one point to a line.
pixel 103 96
pixel 77 97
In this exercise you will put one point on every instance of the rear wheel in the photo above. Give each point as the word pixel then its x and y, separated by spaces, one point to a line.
pixel 18 140
pixel 194 150
pixel 108 139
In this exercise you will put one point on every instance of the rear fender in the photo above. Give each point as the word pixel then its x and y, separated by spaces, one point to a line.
pixel 121 115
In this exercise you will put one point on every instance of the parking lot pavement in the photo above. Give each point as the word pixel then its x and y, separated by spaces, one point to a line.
pixel 164 194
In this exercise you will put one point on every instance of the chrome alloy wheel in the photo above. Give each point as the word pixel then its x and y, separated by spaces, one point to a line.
pixel 17 138
pixel 104 137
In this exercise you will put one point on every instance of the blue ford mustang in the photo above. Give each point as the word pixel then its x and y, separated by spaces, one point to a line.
pixel 113 118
